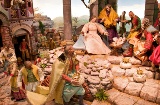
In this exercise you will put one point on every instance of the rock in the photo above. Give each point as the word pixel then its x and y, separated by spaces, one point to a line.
pixel 105 81
pixel 115 59
pixel 87 71
pixel 130 72
pixel 133 88
pixel 93 90
pixel 91 86
pixel 103 74
pixel 94 69
pixel 90 66
pixel 134 61
pixel 117 71
pixel 94 80
pixel 149 93
pixel 120 83
pixel 94 73
pixel 97 86
pixel 113 94
pixel 107 65
pixel 110 75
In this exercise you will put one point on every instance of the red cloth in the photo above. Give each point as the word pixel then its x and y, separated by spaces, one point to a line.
pixel 155 57
pixel 148 41
pixel 37 61
pixel 66 78
pixel 18 95
pixel 156 22
pixel 23 45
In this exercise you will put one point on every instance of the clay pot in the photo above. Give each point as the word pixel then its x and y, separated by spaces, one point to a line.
pixel 139 78
pixel 125 65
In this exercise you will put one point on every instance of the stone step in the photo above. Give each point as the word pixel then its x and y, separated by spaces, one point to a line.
pixel 119 98
pixel 148 90
pixel 118 72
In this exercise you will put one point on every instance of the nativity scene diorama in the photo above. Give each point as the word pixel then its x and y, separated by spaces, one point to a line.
pixel 40 65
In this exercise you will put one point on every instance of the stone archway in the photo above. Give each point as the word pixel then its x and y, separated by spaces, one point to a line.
pixel 17 38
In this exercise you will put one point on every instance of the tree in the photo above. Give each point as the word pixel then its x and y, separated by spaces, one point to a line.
pixel 41 27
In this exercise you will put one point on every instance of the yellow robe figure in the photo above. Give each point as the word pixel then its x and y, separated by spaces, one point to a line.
pixel 109 20
pixel 55 88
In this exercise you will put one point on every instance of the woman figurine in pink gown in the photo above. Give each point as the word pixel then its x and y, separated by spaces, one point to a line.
pixel 90 39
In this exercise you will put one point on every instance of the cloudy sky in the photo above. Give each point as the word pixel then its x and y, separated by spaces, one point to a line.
pixel 54 8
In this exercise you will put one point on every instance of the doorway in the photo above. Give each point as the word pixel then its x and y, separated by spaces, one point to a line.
pixel 17 41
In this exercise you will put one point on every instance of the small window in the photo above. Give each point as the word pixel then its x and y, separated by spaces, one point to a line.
pixel 29 4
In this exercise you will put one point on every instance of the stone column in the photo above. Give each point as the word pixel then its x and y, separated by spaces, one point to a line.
pixel 113 3
pixel 67 19
pixel 150 10
pixel 94 9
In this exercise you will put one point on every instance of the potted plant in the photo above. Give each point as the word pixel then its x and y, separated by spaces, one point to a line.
pixel 101 97
pixel 139 76
pixel 125 64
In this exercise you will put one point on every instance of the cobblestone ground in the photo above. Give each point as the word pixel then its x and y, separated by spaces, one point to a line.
pixel 123 89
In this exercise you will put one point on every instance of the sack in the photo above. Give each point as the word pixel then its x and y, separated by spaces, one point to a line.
pixel 42 90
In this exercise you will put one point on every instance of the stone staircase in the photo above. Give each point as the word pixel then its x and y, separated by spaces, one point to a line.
pixel 126 91
pixel 119 98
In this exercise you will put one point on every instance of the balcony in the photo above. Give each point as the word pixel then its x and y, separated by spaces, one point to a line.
pixel 17 14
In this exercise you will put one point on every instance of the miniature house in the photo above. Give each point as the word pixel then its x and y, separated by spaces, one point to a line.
pixel 16 19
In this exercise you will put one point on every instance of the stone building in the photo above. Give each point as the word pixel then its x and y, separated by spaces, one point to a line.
pixel 16 19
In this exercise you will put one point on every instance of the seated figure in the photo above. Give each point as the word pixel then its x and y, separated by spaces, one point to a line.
pixel 143 43
pixel 91 41
pixel 63 81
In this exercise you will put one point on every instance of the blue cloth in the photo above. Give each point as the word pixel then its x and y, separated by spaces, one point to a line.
pixel 80 45
pixel 70 90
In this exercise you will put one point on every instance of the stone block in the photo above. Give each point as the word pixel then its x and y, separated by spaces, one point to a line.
pixel 124 99
pixel 149 93
pixel 120 83
pixel 144 102
pixel 117 71
pixel 150 1
pixel 130 72
pixel 152 83
pixel 149 12
pixel 133 88
pixel 113 94
pixel 150 6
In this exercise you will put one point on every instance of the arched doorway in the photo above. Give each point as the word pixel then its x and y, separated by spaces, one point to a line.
pixel 18 36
